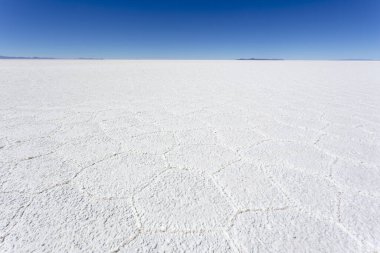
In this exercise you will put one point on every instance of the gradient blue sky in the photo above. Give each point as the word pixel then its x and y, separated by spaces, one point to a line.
pixel 191 29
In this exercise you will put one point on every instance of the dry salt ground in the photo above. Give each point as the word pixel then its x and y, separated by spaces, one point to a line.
pixel 189 156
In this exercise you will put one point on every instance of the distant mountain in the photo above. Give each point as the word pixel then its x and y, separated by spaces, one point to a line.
pixel 259 59
pixel 20 57
pixel 269 59
pixel 44 58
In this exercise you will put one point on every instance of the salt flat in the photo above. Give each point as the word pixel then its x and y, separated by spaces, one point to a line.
pixel 195 156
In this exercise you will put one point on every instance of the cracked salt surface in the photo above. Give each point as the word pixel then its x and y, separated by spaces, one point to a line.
pixel 189 156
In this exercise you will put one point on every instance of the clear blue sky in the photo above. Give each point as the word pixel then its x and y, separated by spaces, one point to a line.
pixel 191 29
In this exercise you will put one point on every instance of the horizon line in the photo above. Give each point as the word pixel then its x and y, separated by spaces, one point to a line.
pixel 2 57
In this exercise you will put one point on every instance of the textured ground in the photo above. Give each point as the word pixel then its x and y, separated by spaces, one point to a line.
pixel 200 156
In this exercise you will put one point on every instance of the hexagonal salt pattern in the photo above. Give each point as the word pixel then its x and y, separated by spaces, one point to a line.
pixel 189 156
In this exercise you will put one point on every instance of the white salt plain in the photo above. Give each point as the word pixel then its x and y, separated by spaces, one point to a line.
pixel 189 156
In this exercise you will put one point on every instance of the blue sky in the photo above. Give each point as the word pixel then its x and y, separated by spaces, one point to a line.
pixel 185 29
